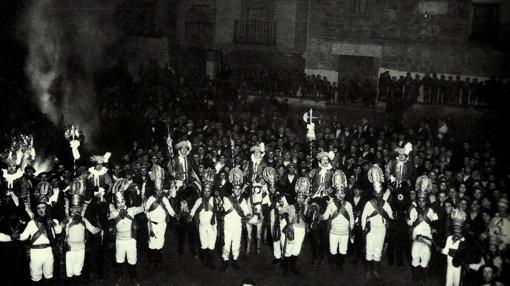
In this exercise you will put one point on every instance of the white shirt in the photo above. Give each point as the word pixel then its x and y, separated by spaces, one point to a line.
pixel 204 217
pixel 339 225
pixel 232 218
pixel 76 234
pixel 32 229
pixel 123 227
pixel 158 215
pixel 423 228
pixel 377 222
pixel 450 244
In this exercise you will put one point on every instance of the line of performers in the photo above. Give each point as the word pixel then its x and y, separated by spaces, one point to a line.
pixel 98 210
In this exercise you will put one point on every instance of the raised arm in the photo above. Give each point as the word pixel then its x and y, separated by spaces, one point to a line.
pixel 29 231
pixel 412 217
pixel 195 207
pixel 57 227
pixel 90 227
pixel 348 207
pixel 365 214
pixel 328 212
pixel 168 206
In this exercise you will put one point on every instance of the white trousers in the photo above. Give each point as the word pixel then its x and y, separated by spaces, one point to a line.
pixel 374 245
pixel 452 274
pixel 208 234
pixel 232 241
pixel 158 240
pixel 41 263
pixel 125 249
pixel 338 243
pixel 74 262
pixel 420 252
pixel 293 248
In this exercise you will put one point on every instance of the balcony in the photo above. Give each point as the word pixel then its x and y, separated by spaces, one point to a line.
pixel 199 33
pixel 254 32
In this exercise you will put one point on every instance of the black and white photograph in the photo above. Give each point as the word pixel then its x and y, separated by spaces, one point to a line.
pixel 254 142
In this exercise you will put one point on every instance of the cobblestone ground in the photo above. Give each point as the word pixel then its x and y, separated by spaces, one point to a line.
pixel 187 270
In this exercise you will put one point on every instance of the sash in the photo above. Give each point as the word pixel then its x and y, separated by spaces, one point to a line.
pixel 340 210
pixel 201 207
pixel 159 202
pixel 133 224
pixel 237 208
pixel 424 219
pixel 378 211
pixel 40 231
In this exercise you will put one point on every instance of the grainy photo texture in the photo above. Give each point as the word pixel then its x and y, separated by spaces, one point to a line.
pixel 254 142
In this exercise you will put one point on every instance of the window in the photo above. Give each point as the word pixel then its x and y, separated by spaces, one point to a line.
pixel 359 7
pixel 485 22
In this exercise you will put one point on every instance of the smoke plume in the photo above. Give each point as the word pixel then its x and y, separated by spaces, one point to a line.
pixel 66 42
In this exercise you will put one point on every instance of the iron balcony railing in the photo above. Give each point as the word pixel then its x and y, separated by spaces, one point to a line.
pixel 199 33
pixel 255 32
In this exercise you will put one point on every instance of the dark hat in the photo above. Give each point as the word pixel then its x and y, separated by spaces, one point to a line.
pixel 29 168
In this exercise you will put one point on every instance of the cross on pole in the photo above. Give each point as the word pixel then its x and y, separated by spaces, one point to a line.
pixel 309 117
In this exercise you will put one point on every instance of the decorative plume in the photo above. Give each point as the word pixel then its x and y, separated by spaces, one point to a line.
pixel 408 148
pixel 339 180
pixel 269 175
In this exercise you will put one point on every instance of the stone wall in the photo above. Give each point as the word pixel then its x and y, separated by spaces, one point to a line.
pixel 391 19
pixel 399 37
pixel 445 59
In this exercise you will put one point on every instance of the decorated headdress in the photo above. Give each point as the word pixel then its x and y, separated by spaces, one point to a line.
pixel 376 177
pixel 98 159
pixel 42 191
pixel 120 186
pixel 406 150
pixel 330 155
pixel 261 148
pixel 183 144
pixel 118 196
pixel 77 187
pixel 269 174
pixel 458 217
pixel 303 186
pixel 208 175
pixel 423 183
pixel 157 174
pixel 235 177
pixel 339 180
pixel 76 200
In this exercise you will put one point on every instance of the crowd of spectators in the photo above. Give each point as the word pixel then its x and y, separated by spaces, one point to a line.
pixel 297 84
pixel 443 89
pixel 138 115
pixel 429 89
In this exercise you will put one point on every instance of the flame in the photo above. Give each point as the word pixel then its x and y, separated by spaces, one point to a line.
pixel 43 165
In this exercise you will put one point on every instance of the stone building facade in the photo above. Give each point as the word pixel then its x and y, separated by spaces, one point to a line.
pixel 334 38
